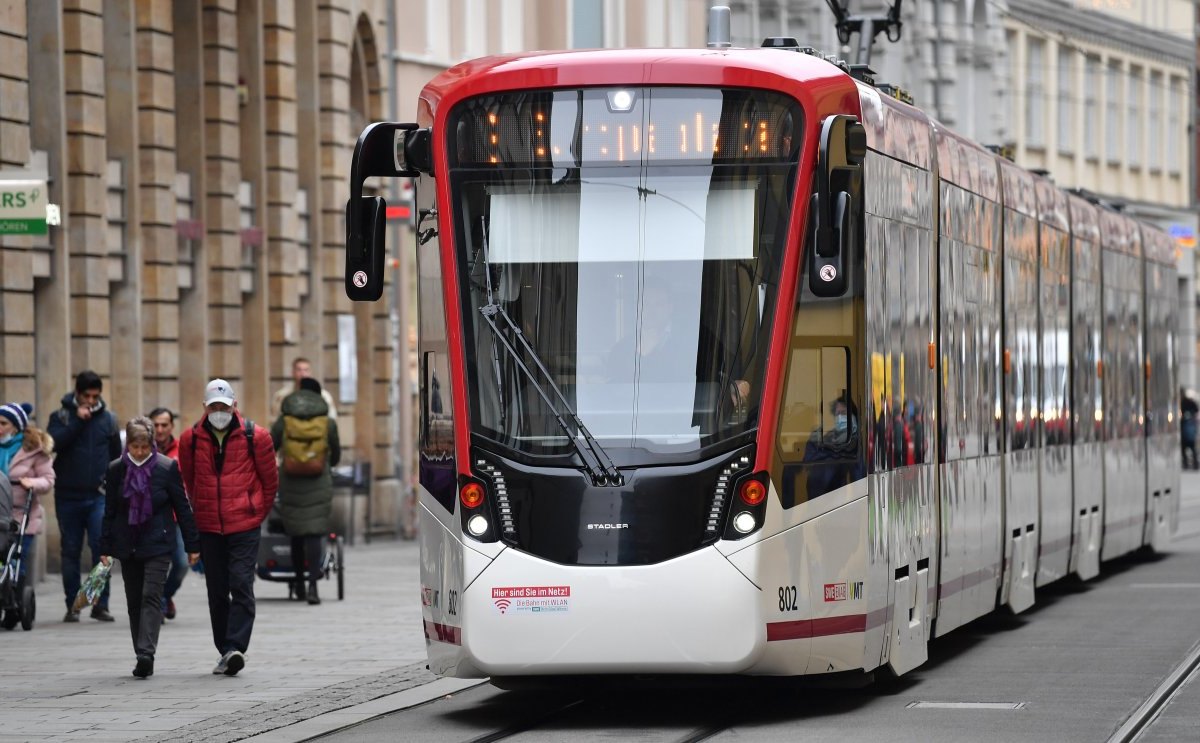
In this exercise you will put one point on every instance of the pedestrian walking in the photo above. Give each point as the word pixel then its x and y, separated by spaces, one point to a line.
pixel 167 445
pixel 143 502
pixel 87 438
pixel 307 439
pixel 228 466
pixel 25 455
pixel 1189 412
pixel 301 369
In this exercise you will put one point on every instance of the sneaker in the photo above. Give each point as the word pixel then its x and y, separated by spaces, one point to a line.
pixel 71 616
pixel 222 664
pixel 235 662
pixel 169 611
pixel 144 667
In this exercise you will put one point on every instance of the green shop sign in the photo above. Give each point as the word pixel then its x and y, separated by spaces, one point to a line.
pixel 22 207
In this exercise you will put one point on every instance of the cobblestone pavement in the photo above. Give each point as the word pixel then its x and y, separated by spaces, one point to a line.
pixel 74 682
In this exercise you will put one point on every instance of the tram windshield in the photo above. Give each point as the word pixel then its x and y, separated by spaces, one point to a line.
pixel 634 236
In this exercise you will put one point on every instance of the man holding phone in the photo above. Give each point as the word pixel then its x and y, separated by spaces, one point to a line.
pixel 86 438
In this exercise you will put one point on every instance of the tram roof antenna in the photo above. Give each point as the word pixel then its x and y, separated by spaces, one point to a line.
pixel 867 27
pixel 719 35
pixel 1094 198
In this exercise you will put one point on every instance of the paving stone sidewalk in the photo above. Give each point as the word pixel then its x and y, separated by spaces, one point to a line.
pixel 74 682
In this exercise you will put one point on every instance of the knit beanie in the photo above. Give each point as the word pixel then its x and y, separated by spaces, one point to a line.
pixel 17 414
pixel 310 384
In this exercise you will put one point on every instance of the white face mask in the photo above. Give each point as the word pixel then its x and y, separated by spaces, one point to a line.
pixel 143 460
pixel 220 419
pixel 6 438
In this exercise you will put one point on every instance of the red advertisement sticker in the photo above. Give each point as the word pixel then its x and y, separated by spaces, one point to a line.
pixel 835 591
pixel 531 592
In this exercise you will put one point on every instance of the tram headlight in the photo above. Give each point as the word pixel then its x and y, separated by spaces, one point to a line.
pixel 745 522
pixel 620 101
pixel 477 525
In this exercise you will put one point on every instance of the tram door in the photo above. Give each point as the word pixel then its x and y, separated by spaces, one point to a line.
pixel 1022 382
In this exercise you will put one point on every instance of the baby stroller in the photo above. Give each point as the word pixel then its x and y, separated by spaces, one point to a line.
pixel 17 602
pixel 275 556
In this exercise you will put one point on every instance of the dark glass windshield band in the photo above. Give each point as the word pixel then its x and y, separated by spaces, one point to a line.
pixel 623 126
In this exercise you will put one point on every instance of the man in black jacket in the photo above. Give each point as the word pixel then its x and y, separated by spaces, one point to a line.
pixel 86 438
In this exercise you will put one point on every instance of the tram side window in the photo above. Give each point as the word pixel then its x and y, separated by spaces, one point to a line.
pixel 820 425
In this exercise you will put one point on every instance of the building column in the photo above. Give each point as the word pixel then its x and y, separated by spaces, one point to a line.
pixel 191 111
pixel 52 296
pixel 16 254
pixel 124 248
pixel 222 240
pixel 157 208
pixel 84 218
pixel 333 85
pixel 310 152
pixel 282 221
pixel 253 394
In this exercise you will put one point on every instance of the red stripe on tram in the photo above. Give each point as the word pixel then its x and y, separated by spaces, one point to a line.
pixel 822 627
pixel 443 633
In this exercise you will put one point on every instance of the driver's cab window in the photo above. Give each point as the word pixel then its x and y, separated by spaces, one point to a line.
pixel 437 471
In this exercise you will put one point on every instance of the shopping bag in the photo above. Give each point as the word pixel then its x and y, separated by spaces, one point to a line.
pixel 93 586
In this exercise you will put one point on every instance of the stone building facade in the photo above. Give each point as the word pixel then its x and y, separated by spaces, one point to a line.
pixel 198 151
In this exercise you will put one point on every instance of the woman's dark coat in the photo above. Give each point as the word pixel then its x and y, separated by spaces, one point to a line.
pixel 306 503
pixel 157 536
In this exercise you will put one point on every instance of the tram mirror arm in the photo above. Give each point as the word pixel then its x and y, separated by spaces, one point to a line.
pixel 389 150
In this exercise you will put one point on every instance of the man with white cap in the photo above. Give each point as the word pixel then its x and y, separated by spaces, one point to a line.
pixel 229 471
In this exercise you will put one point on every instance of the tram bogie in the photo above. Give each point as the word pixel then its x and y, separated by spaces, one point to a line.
pixel 732 364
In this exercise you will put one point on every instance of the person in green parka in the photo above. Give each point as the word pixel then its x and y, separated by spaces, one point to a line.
pixel 307 438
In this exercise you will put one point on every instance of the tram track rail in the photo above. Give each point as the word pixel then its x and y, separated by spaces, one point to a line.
pixel 530 723
pixel 1144 716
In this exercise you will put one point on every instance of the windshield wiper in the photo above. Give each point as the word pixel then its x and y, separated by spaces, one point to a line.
pixel 596 461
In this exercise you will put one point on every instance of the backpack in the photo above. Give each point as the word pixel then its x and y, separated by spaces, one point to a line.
pixel 305 445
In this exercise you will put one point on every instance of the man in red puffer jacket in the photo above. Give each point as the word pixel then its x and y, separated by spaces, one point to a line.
pixel 229 473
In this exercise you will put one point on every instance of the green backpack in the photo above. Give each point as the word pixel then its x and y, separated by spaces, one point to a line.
pixel 305 445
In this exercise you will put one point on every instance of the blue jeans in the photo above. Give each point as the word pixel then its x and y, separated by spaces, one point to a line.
pixel 76 516
pixel 179 568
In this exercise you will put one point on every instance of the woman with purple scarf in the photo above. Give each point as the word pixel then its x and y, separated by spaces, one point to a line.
pixel 142 490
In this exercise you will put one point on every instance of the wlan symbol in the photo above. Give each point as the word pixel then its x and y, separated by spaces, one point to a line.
pixel 503 604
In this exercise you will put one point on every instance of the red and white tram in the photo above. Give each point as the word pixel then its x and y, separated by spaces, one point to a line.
pixel 733 363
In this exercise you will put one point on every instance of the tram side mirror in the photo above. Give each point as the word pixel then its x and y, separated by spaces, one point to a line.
pixel 843 148
pixel 388 150
pixel 364 279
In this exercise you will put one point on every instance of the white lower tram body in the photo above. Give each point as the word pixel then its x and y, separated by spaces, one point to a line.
pixel 814 592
